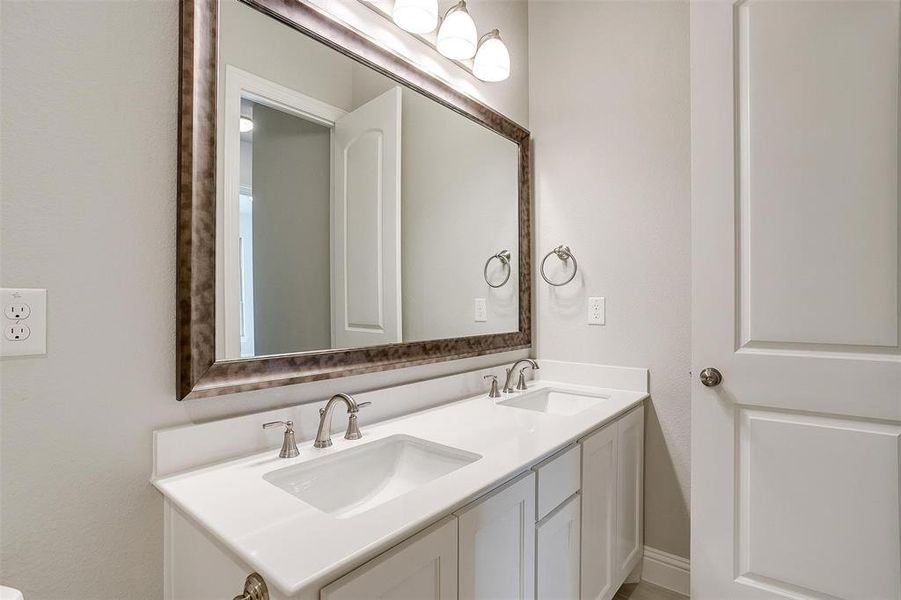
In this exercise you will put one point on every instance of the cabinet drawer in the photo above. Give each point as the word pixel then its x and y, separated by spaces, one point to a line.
pixel 558 478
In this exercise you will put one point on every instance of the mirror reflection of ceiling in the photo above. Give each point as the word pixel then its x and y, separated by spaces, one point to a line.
pixel 359 212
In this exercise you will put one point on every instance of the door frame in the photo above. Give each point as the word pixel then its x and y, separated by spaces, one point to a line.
pixel 240 84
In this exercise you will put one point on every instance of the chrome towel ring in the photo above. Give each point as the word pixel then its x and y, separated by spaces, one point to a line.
pixel 564 254
pixel 504 257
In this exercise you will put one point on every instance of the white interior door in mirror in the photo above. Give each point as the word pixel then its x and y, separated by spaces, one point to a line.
pixel 366 217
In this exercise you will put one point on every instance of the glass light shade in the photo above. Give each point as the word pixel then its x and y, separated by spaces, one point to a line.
pixel 492 62
pixel 245 125
pixel 457 37
pixel 416 16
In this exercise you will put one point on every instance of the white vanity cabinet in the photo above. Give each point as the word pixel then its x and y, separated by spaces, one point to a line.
pixel 423 567
pixel 497 544
pixel 612 472
pixel 568 527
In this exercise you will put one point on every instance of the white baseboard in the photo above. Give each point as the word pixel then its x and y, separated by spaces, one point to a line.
pixel 666 570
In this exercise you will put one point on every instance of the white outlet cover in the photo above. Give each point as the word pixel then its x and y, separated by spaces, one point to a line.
pixel 597 310
pixel 23 308
pixel 480 310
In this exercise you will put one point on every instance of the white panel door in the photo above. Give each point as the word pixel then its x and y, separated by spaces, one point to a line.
pixel 795 300
pixel 558 552
pixel 366 215
pixel 421 568
pixel 599 515
pixel 629 501
pixel 497 544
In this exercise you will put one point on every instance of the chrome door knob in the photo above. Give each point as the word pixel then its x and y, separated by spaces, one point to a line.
pixel 711 377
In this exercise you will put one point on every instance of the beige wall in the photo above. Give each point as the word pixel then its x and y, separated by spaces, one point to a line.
pixel 609 110
pixel 456 213
pixel 255 42
pixel 88 158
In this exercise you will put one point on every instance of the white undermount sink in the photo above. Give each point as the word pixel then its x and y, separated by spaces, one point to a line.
pixel 351 482
pixel 555 402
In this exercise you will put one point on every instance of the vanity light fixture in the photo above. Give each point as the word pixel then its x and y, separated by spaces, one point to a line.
pixel 492 62
pixel 457 36
pixel 245 125
pixel 416 16
pixel 486 58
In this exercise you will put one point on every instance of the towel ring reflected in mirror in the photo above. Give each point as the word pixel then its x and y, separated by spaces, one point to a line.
pixel 563 253
pixel 504 257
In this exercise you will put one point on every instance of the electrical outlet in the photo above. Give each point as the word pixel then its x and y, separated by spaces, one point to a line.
pixel 480 310
pixel 24 323
pixel 597 310
pixel 17 310
pixel 17 333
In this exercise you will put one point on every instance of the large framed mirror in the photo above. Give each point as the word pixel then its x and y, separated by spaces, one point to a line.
pixel 340 210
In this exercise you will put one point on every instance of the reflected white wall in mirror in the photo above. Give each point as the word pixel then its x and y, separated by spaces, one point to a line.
pixel 356 212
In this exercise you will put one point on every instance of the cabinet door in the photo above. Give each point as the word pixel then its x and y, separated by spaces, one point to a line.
pixel 630 459
pixel 423 567
pixel 599 514
pixel 497 544
pixel 558 553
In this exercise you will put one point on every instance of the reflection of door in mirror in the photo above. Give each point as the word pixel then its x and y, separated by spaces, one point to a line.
pixel 312 220
pixel 366 225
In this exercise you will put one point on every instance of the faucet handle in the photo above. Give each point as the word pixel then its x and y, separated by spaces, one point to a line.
pixel 521 384
pixel 289 444
pixel 493 392
pixel 353 430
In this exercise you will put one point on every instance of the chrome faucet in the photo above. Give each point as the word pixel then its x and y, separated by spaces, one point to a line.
pixel 508 384
pixel 323 436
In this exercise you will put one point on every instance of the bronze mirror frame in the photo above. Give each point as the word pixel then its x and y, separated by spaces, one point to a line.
pixel 199 374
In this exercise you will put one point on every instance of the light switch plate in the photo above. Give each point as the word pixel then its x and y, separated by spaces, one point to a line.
pixel 480 310
pixel 597 310
pixel 24 320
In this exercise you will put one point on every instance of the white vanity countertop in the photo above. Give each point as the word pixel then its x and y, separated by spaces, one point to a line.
pixel 297 548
